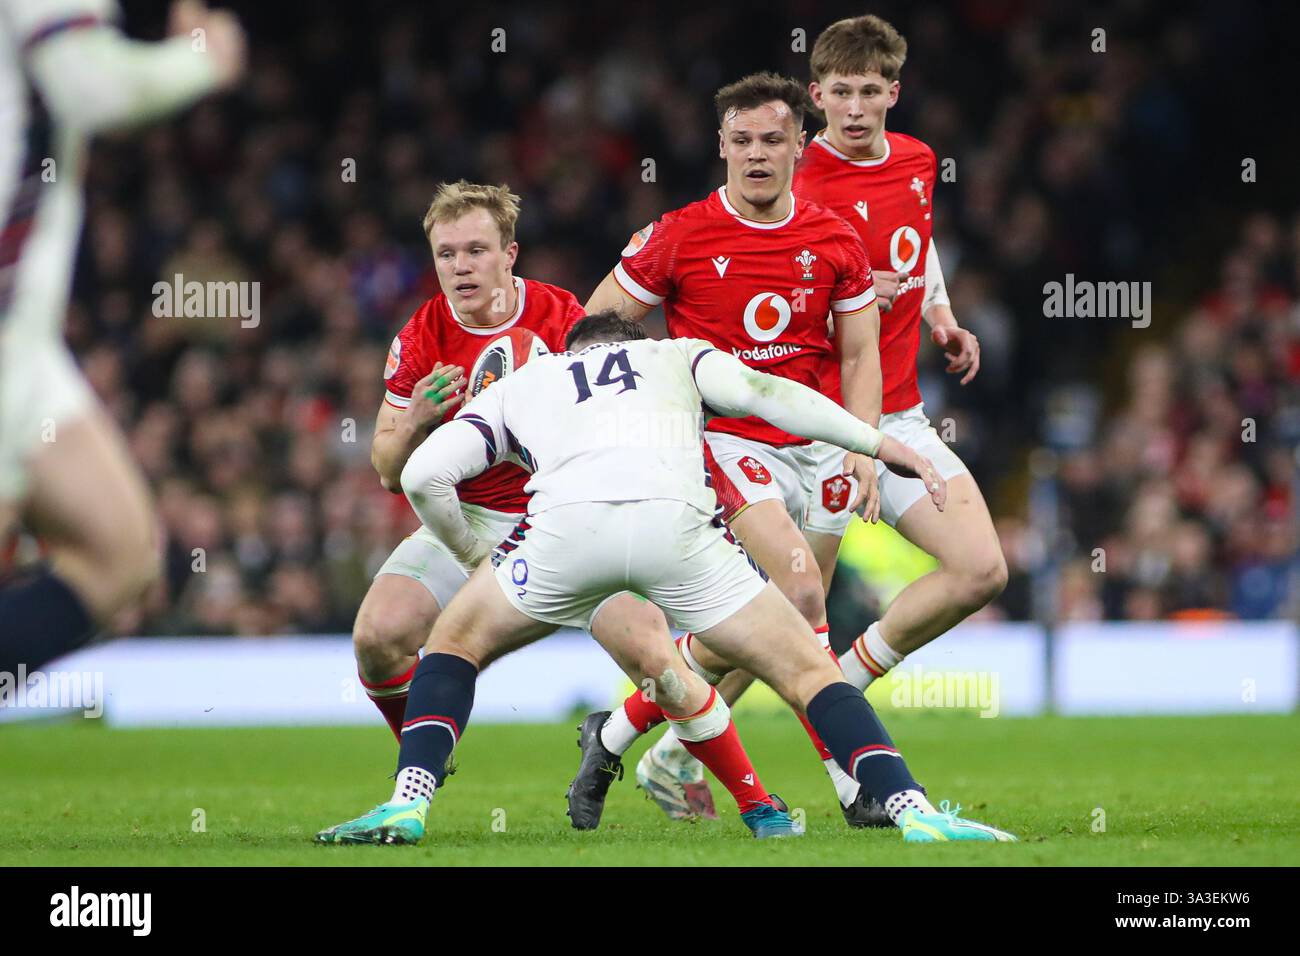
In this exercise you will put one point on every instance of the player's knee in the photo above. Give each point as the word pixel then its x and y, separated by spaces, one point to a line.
pixel 377 641
pixel 654 662
pixel 676 692
pixel 982 578
pixel 132 560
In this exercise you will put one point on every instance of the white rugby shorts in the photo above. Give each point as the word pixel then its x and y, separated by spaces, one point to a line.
pixel 424 558
pixel 562 565
pixel 41 389
pixel 828 511
pixel 763 472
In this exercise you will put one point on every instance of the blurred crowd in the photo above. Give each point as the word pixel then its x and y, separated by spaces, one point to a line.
pixel 1181 501
pixel 313 178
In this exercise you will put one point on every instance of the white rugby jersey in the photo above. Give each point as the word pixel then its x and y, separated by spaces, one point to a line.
pixel 619 421
pixel 40 170
pixel 93 78
pixel 615 422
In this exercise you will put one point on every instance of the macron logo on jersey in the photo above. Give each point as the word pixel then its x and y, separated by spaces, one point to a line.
pixel 720 263
pixel 861 207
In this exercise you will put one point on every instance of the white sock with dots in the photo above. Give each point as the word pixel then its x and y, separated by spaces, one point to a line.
pixel 906 800
pixel 412 784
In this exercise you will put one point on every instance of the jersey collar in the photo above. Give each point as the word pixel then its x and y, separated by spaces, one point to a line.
pixel 754 223
pixel 520 289
pixel 821 140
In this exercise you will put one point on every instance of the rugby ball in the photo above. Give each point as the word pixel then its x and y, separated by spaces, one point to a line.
pixel 503 355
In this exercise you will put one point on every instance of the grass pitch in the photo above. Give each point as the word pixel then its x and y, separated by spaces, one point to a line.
pixel 1173 791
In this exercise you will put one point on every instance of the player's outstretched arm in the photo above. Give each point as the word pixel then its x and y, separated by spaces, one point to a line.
pixel 450 455
pixel 92 78
pixel 731 388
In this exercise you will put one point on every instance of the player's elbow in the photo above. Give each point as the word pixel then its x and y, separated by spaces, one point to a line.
pixel 414 477
pixel 381 459
pixel 422 479
pixel 79 84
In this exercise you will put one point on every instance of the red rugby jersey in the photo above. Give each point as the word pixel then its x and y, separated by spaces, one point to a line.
pixel 888 201
pixel 436 334
pixel 762 290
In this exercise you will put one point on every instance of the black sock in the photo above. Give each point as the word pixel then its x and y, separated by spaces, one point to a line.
pixel 858 740
pixel 437 709
pixel 41 618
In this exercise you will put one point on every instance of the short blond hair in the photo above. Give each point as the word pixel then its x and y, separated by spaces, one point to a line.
pixel 453 200
pixel 858 45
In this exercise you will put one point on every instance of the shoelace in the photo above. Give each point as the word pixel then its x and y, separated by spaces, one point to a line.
pixel 609 768
pixel 950 814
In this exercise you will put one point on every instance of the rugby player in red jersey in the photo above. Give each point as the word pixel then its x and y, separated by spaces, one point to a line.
pixel 757 271
pixel 471 232
pixel 882 184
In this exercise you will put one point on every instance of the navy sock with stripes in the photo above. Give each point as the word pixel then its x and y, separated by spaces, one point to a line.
pixel 41 618
pixel 858 740
pixel 437 709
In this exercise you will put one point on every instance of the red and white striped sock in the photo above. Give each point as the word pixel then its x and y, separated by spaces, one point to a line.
pixel 390 697
pixel 869 658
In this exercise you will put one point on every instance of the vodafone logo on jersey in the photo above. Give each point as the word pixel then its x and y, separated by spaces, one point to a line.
pixel 766 316
pixel 904 249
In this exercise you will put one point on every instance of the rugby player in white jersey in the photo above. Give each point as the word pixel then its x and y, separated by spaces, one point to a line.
pixel 611 431
pixel 66 72
pixel 471 233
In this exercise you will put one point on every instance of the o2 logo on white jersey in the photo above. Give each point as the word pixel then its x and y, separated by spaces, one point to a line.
pixel 766 316
pixel 904 248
